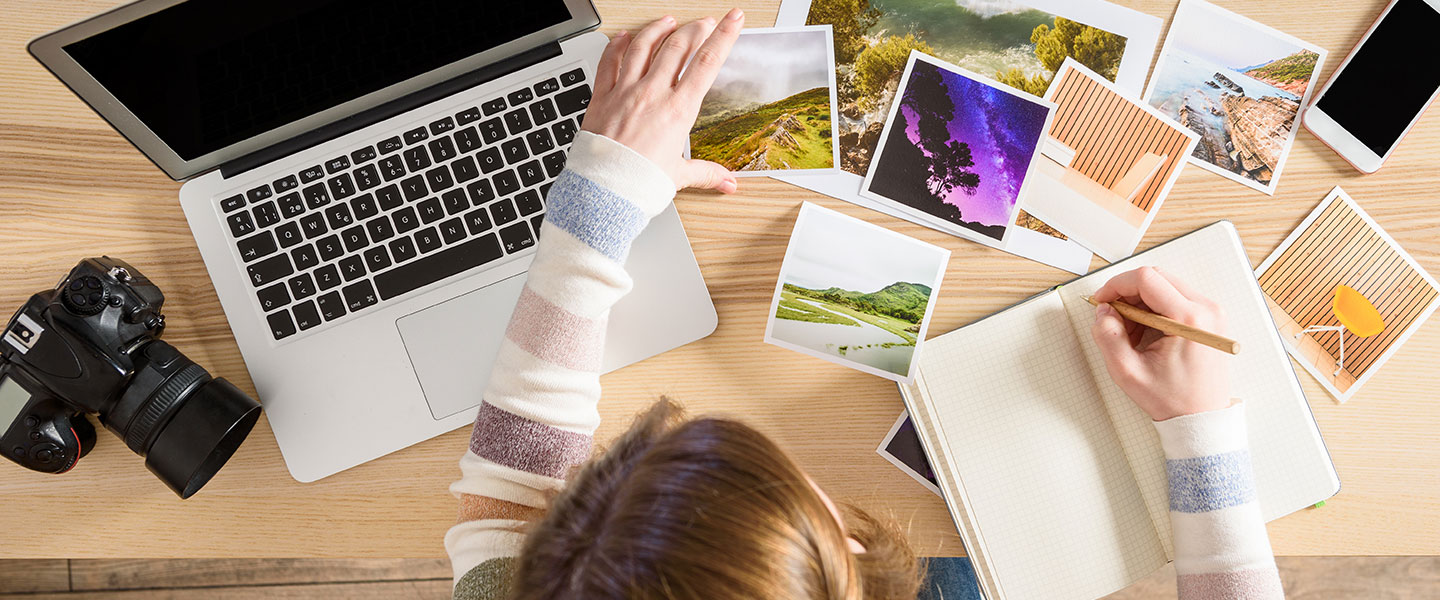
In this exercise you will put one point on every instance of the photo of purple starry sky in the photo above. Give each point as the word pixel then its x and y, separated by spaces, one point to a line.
pixel 959 149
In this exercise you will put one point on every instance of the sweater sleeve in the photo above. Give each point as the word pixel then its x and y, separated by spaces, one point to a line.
pixel 1221 548
pixel 539 412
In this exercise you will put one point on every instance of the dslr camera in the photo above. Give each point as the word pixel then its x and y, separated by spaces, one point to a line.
pixel 92 346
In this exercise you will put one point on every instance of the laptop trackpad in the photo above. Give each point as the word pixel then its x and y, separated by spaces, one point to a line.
pixel 453 345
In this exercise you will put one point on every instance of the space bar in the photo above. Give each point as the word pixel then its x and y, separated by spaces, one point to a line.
pixel 451 261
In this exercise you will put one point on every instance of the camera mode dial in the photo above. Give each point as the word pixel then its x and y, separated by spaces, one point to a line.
pixel 86 295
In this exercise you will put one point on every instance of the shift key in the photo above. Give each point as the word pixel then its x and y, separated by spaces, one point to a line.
pixel 434 267
pixel 270 269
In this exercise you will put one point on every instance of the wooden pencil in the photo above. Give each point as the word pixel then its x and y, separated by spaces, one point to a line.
pixel 1170 326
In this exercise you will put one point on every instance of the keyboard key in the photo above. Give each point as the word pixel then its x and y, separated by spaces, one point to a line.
pixel 452 231
pixel 304 257
pixel 518 121
pixel 266 214
pixel 316 196
pixel 493 106
pixel 352 267
pixel 327 277
pixel 540 141
pixel 573 100
pixel 359 295
pixel 493 130
pixel 280 325
pixel 311 174
pixel 521 96
pixel 468 140
pixel 430 210
pixel 232 203
pixel 554 163
pixel 416 135
pixel 302 286
pixel 442 126
pixel 288 234
pixel 464 169
pixel 506 183
pixel 258 194
pixel 392 167
pixel 291 205
pixel 439 178
pixel 503 212
pixel 455 201
pixel 337 164
pixel 364 207
pixel 416 158
pixel 570 78
pixel 273 297
pixel 477 220
pixel 256 246
pixel 545 190
pixel 405 219
pixel 481 192
pixel 389 145
pixel 469 115
pixel 354 238
pixel 313 225
pixel 367 177
pixel 329 247
pixel 341 187
pixel 543 112
pixel 535 224
pixel 547 87
pixel 389 197
pixel 270 269
pixel 442 149
pixel 414 188
pixel 240 224
pixel 489 160
pixel 380 229
pixel 517 237
pixel 427 239
pixel 514 151
pixel 305 315
pixel 363 155
pixel 377 258
pixel 435 267
pixel 564 131
pixel 338 216
pixel 531 173
pixel 331 306
pixel 285 184
pixel 528 202
pixel 403 249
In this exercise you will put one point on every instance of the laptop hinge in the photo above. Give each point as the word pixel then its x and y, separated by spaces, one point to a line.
pixel 389 109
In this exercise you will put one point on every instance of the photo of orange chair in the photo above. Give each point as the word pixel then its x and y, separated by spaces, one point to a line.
pixel 1355 313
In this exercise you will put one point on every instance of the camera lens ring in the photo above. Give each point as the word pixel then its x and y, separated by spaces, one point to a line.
pixel 160 403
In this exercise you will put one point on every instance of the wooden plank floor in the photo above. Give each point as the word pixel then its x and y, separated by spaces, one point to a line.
pixel 1306 578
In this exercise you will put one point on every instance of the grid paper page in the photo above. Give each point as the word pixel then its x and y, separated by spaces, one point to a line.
pixel 1292 468
pixel 1026 440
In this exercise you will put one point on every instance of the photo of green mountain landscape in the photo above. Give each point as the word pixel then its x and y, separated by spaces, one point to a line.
pixel 771 106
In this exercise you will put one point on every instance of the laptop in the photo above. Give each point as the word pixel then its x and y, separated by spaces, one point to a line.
pixel 366 182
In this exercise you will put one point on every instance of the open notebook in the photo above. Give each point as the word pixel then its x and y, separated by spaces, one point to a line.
pixel 1055 479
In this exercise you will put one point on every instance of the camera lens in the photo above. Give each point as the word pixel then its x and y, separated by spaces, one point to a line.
pixel 185 424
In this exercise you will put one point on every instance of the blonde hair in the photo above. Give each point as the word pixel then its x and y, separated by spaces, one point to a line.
pixel 705 508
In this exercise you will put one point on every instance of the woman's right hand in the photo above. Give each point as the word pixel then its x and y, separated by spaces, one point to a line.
pixel 1166 376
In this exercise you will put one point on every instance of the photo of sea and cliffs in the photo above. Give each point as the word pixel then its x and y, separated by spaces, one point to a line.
pixel 1241 91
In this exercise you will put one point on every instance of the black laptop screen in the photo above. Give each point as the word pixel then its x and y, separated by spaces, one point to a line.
pixel 205 74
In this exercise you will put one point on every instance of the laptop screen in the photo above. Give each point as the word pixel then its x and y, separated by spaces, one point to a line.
pixel 205 74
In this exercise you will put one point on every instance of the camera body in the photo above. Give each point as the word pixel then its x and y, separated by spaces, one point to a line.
pixel 91 346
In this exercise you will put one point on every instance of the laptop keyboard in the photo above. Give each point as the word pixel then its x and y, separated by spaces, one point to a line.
pixel 440 199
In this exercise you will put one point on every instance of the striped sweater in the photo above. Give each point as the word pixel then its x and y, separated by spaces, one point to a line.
pixel 539 412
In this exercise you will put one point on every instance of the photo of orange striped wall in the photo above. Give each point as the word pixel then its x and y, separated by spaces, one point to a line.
pixel 1339 245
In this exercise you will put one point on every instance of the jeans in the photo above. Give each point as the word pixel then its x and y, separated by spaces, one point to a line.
pixel 949 578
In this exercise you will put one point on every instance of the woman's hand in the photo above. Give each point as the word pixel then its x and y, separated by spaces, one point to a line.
pixel 1166 376
pixel 642 101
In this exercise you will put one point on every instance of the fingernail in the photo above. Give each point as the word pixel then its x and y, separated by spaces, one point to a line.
pixel 708 21
pixel 734 14
pixel 622 33
pixel 1103 310
pixel 668 19
pixel 729 186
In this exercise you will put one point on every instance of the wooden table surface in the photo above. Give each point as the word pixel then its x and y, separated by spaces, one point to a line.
pixel 70 187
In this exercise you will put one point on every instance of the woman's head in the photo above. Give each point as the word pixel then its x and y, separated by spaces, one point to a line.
pixel 706 508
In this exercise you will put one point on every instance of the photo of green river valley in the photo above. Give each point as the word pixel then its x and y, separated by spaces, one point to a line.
pixel 878 329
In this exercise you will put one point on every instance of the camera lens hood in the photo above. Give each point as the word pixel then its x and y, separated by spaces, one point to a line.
pixel 206 430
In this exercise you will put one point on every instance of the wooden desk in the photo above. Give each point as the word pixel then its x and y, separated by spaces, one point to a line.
pixel 70 187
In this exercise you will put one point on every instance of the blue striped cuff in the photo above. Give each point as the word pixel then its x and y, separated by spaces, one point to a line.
pixel 595 215
pixel 1208 483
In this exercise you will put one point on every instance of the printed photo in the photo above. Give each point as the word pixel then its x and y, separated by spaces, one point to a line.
pixel 1344 294
pixel 854 293
pixel 771 109
pixel 1241 91
pixel 902 448
pixel 958 148
pixel 1105 165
